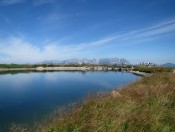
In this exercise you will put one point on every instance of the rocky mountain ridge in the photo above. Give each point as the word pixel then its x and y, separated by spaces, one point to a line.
pixel 112 61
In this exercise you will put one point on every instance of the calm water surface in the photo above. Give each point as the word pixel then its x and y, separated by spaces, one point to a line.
pixel 28 97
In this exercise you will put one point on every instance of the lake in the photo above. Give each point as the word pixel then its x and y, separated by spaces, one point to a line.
pixel 28 97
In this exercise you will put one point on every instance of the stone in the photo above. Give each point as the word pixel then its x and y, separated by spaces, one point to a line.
pixel 115 94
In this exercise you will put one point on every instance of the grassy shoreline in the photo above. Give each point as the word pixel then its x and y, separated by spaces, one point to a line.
pixel 145 105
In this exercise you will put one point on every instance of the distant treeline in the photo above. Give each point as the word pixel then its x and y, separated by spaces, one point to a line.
pixel 13 65
pixel 147 69
pixel 58 65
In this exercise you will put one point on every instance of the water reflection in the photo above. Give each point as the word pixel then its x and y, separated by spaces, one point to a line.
pixel 28 97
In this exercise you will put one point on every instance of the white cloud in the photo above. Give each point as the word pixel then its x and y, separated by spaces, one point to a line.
pixel 18 50
pixel 11 2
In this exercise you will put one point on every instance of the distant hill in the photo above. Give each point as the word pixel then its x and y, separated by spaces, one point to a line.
pixel 169 65
pixel 113 61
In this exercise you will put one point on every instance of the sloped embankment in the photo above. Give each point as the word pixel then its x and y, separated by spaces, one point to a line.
pixel 146 105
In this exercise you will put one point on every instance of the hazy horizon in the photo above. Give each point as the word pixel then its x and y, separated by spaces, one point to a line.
pixel 32 31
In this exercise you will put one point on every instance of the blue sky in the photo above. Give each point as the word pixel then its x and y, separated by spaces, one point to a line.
pixel 36 30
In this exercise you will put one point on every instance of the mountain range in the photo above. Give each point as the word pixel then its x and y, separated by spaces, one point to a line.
pixel 112 61
pixel 169 65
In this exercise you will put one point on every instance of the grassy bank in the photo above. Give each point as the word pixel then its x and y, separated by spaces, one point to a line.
pixel 153 69
pixel 146 105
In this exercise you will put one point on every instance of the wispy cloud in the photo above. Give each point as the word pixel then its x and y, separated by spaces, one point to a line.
pixel 153 31
pixel 140 35
pixel 18 50
pixel 11 2
pixel 42 2
pixel 156 30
